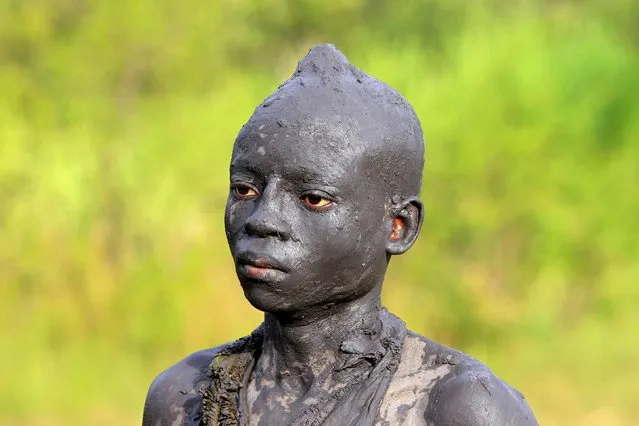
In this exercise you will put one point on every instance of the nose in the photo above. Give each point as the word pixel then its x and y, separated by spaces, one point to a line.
pixel 267 218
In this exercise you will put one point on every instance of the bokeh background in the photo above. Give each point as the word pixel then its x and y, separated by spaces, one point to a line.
pixel 116 126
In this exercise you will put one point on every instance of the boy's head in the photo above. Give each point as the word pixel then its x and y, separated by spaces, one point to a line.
pixel 325 180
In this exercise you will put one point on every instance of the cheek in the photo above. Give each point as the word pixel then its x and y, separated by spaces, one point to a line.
pixel 234 216
pixel 349 238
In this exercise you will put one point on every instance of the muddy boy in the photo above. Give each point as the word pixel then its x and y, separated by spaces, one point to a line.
pixel 324 189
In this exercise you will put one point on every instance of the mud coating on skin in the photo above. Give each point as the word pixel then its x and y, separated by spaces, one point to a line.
pixel 324 189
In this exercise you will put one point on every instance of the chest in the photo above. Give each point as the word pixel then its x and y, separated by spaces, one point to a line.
pixel 409 396
pixel 404 402
pixel 269 402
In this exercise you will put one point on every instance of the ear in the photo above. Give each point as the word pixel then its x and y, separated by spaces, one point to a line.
pixel 406 217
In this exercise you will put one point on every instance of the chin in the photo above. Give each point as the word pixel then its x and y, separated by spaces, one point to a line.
pixel 265 299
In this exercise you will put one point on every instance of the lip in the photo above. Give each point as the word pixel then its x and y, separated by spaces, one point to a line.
pixel 259 266
pixel 260 261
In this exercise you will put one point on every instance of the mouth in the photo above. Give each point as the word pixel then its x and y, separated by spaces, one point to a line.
pixel 259 267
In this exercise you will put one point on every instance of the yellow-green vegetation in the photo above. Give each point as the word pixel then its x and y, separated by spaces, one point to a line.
pixel 116 125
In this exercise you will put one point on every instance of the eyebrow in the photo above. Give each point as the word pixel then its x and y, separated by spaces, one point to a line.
pixel 243 168
pixel 307 176
pixel 291 171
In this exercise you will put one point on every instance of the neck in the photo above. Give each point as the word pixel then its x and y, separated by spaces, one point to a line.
pixel 300 342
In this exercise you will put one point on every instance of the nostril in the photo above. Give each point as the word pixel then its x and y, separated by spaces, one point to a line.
pixel 255 228
pixel 268 229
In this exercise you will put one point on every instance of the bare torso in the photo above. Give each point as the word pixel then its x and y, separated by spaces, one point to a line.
pixel 433 385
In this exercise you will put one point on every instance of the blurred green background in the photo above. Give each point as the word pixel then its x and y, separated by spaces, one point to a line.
pixel 116 126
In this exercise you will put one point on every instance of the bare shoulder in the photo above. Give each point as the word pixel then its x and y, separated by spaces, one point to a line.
pixel 174 396
pixel 470 394
pixel 477 397
pixel 438 385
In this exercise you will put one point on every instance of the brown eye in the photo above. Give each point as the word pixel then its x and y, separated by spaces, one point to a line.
pixel 315 201
pixel 244 191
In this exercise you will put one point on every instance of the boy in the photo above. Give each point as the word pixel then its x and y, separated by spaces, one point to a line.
pixel 325 183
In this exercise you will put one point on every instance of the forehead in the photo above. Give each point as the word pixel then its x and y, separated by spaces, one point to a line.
pixel 327 149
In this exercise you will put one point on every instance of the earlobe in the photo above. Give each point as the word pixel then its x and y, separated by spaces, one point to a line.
pixel 407 217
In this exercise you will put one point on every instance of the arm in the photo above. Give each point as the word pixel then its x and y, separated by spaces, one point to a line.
pixel 156 412
pixel 174 396
pixel 480 399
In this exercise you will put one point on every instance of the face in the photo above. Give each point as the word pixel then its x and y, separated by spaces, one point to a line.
pixel 305 222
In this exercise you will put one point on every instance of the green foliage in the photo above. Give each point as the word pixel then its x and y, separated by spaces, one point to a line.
pixel 116 124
